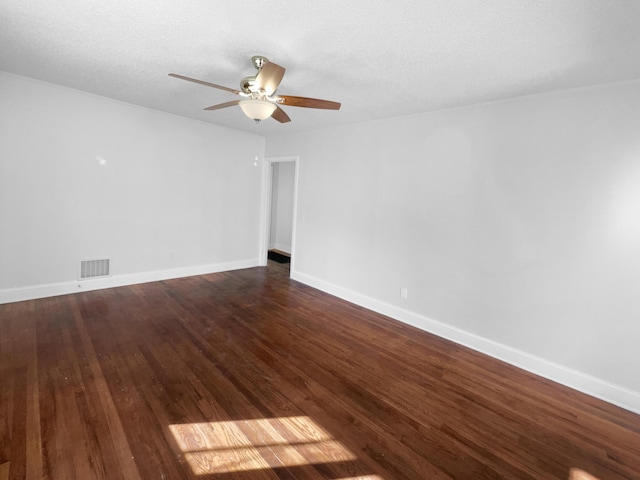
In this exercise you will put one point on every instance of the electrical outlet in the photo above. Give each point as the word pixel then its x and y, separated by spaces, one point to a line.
pixel 404 293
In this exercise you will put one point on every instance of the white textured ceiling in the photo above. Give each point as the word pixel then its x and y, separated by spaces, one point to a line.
pixel 379 58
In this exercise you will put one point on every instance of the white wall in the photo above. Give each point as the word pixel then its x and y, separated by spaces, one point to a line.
pixel 273 226
pixel 515 227
pixel 282 206
pixel 175 195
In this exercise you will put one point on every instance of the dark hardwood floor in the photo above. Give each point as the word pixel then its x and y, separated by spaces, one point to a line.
pixel 249 375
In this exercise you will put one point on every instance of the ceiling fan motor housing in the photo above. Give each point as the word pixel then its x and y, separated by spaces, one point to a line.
pixel 259 61
pixel 247 84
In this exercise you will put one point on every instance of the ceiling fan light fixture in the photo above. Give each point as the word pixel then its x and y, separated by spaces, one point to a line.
pixel 258 94
pixel 257 109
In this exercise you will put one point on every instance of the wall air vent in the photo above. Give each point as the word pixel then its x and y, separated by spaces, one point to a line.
pixel 94 268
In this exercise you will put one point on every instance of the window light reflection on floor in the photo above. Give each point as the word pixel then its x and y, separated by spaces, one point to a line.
pixel 258 444
pixel 363 477
pixel 578 474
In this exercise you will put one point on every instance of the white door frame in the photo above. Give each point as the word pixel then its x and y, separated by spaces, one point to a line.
pixel 265 206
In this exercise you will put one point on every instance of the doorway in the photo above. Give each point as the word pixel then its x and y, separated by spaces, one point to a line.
pixel 278 210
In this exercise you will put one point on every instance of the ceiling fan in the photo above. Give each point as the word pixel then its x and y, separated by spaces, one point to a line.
pixel 259 93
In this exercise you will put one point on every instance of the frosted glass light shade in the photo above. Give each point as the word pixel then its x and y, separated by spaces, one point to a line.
pixel 257 109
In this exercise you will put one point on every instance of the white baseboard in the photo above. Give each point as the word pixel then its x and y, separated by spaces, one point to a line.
pixel 64 288
pixel 282 247
pixel 596 387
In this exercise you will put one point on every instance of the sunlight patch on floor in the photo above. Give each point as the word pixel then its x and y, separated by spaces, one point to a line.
pixel 258 444
pixel 362 477
pixel 578 474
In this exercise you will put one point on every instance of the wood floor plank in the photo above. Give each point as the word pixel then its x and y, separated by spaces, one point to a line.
pixel 125 461
pixel 4 470
pixel 250 375
pixel 14 386
pixel 33 424
pixel 8 388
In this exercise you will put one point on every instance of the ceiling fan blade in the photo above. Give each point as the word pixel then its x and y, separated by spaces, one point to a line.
pixel 223 105
pixel 280 115
pixel 292 101
pixel 269 77
pixel 202 82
